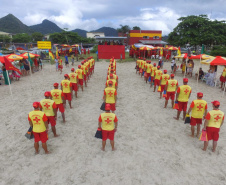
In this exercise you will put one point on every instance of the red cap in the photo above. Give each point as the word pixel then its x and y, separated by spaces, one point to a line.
pixel 139 57
pixel 154 64
pixel 47 94
pixel 66 75
pixel 172 75
pixel 216 103
pixel 72 69
pixel 79 66
pixel 55 85
pixel 111 75
pixel 165 71
pixel 107 106
pixel 112 70
pixel 36 104
pixel 110 82
pixel 185 80
pixel 144 58
pixel 200 94
pixel 158 67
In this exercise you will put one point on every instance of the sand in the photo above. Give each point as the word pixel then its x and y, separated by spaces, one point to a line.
pixel 152 148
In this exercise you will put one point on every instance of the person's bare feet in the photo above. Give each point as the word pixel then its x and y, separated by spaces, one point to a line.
pixel 204 149
pixel 192 136
pixel 197 136
pixel 36 152
pixel 213 150
pixel 176 118
pixel 71 107
pixel 47 152
pixel 113 149
pixel 102 149
pixel 164 107
pixel 57 135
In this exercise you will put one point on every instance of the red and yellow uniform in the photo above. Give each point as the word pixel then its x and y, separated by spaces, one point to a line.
pixel 215 118
pixel 83 67
pixel 66 87
pixel 80 76
pixel 184 92
pixel 115 77
pixel 114 85
pixel 47 106
pixel 198 108
pixel 110 94
pixel 171 89
pixel 143 65
pixel 223 76
pixel 148 69
pixel 164 78
pixel 108 126
pixel 38 119
pixel 153 73
pixel 57 95
pixel 138 64
pixel 74 81
pixel 60 64
pixel 157 74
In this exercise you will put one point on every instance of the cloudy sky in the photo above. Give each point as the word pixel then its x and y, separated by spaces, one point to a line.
pixel 93 14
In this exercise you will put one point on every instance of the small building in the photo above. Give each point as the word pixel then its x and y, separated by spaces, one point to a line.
pixel 153 37
pixel 94 34
pixel 6 34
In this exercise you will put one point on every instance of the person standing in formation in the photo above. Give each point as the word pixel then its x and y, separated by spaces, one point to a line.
pixel 84 68
pixel 157 76
pixel 164 78
pixel 38 121
pixel 213 123
pixel 58 97
pixel 66 87
pixel 171 87
pixel 110 96
pixel 148 70
pixel 74 81
pixel 60 65
pixel 50 109
pixel 80 73
pixel 198 109
pixel 114 85
pixel 183 95
pixel 153 73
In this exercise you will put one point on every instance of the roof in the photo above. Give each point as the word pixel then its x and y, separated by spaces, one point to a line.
pixel 145 31
pixel 110 38
pixel 152 42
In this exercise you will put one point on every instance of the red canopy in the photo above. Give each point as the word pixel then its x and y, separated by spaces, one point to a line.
pixel 3 61
pixel 218 61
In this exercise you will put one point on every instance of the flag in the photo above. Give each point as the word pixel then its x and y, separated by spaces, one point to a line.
pixel 51 54
pixel 57 52
pixel 29 59
pixel 161 52
pixel 178 51
pixel 203 49
pixel 9 66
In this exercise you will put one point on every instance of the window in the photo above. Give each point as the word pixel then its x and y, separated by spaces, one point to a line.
pixel 145 37
pixel 156 37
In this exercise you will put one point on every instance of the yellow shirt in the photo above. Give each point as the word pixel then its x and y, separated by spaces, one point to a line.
pixel 66 84
pixel 164 79
pixel 83 67
pixel 36 117
pixel 184 92
pixel 143 64
pixel 224 72
pixel 108 121
pixel 198 108
pixel 153 71
pixel 171 85
pixel 110 93
pixel 80 73
pixel 47 106
pixel 114 83
pixel 148 68
pixel 158 74
pixel 73 77
pixel 56 96
pixel 216 117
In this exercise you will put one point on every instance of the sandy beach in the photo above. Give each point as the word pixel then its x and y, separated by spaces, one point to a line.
pixel 151 147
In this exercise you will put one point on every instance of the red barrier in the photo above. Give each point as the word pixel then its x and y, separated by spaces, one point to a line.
pixel 109 51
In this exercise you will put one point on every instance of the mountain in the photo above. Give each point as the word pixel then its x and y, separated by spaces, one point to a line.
pixel 80 32
pixel 11 24
pixel 46 27
pixel 107 31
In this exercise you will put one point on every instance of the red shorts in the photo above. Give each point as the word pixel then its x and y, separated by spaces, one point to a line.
pixel 152 78
pixel 170 95
pixel 51 120
pixel 60 107
pixel 67 96
pixel 162 88
pixel 195 121
pixel 112 106
pixel 108 135
pixel 84 77
pixel 222 79
pixel 80 81
pixel 60 66
pixel 42 136
pixel 148 75
pixel 157 82
pixel 212 133
pixel 182 106
pixel 74 87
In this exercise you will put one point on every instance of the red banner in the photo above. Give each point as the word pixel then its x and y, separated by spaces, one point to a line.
pixel 109 51
pixel 9 66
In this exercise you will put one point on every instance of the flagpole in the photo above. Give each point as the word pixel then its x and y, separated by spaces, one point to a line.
pixel 9 82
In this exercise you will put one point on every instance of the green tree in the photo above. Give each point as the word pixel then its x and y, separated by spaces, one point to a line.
pixel 124 29
pixel 21 38
pixel 37 36
pixel 198 30
pixel 5 38
pixel 136 28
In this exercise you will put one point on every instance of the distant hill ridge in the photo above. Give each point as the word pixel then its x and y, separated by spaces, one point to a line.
pixel 11 24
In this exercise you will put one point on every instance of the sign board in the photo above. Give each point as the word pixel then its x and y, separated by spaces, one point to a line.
pixel 44 45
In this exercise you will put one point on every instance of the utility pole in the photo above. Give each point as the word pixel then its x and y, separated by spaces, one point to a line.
pixel 65 29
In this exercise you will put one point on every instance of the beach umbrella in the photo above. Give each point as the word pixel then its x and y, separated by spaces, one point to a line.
pixel 145 48
pixel 3 61
pixel 172 48
pixel 214 61
pixel 19 48
pixel 25 55
pixel 202 56
pixel 65 45
pixel 14 57
pixel 74 45
pixel 158 47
